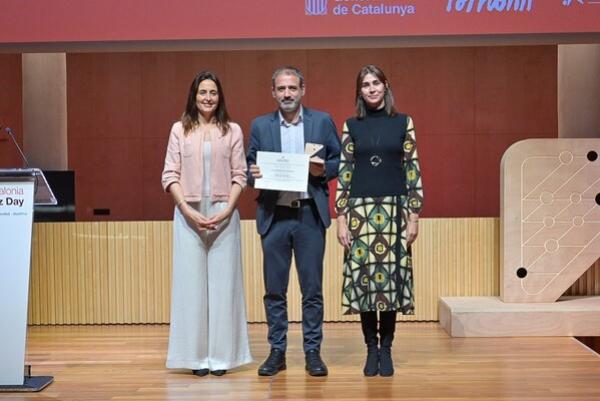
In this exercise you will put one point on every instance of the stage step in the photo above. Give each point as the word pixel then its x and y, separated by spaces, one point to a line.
pixel 490 317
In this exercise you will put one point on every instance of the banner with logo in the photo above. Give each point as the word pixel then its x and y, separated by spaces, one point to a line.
pixel 16 221
pixel 43 21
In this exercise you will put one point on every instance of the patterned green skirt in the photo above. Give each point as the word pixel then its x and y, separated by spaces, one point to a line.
pixel 378 267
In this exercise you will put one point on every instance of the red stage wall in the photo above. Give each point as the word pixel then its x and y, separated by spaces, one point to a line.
pixel 45 21
pixel 10 108
pixel 469 105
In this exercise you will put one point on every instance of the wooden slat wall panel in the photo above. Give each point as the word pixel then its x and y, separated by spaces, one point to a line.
pixel 120 272
pixel 454 257
pixel 589 283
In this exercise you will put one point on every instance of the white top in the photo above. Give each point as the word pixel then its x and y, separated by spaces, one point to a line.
pixel 292 141
pixel 206 169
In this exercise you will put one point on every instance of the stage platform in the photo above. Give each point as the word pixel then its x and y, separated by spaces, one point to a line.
pixel 490 317
pixel 126 363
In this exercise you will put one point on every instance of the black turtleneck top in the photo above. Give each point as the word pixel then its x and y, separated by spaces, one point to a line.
pixel 378 154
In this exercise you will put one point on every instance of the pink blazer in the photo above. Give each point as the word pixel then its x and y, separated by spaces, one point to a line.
pixel 183 162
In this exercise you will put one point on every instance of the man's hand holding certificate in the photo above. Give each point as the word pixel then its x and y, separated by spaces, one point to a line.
pixel 317 165
pixel 287 171
pixel 282 171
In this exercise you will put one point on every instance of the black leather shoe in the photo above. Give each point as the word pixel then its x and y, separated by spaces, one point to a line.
pixel 200 372
pixel 314 364
pixel 219 372
pixel 273 364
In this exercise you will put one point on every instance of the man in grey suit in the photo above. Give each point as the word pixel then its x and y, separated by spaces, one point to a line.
pixel 294 221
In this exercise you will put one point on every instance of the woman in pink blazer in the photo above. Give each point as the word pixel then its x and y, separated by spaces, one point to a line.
pixel 205 173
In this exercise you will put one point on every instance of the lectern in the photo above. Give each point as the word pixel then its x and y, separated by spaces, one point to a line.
pixel 20 189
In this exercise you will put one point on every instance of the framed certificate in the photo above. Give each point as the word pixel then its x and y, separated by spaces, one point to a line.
pixel 282 171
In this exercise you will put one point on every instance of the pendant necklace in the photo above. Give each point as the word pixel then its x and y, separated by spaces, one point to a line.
pixel 375 159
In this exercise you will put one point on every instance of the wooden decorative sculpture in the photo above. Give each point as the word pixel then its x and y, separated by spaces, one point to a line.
pixel 549 217
pixel 550 235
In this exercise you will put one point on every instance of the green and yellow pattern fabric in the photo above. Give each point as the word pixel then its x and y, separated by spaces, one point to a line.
pixel 378 267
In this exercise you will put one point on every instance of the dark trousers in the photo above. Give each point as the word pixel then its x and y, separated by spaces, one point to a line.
pixel 302 231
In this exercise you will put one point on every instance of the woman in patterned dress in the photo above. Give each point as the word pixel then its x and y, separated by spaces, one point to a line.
pixel 379 197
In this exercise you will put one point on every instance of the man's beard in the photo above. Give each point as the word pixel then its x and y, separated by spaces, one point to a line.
pixel 289 106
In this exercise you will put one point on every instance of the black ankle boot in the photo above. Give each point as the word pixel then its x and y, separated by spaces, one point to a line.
pixel 386 365
pixel 368 322
pixel 372 363
pixel 387 326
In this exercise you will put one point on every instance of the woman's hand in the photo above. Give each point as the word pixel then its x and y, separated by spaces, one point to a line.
pixel 218 218
pixel 343 233
pixel 412 230
pixel 195 218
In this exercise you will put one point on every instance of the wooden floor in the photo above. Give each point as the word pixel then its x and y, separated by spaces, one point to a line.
pixel 127 363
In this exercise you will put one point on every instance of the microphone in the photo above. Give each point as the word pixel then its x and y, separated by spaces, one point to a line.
pixel 10 133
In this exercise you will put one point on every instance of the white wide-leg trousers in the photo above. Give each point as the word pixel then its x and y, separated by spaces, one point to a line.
pixel 208 311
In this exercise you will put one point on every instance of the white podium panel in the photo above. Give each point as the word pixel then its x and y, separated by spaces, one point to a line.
pixel 16 222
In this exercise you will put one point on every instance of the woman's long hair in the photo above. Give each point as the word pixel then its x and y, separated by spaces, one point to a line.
pixel 388 97
pixel 189 118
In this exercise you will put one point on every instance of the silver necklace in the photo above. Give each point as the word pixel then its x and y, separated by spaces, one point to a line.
pixel 375 159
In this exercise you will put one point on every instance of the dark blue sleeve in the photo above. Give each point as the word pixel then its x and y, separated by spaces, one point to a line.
pixel 333 147
pixel 253 147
